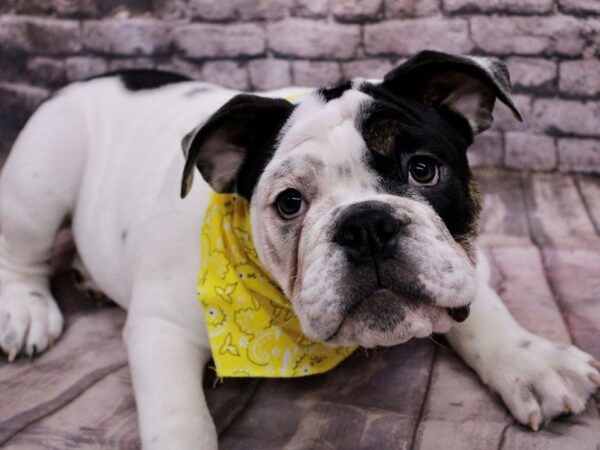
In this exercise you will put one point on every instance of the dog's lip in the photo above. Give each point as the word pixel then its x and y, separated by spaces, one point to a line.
pixel 460 313
pixel 381 290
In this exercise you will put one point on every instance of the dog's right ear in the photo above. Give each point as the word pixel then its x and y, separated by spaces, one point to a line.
pixel 221 146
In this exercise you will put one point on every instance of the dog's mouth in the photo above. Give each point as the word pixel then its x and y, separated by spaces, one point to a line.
pixel 396 306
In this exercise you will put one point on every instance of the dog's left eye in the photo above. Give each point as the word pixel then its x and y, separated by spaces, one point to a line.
pixel 423 171
pixel 290 204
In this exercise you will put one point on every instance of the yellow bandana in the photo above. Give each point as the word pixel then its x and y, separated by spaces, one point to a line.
pixel 252 328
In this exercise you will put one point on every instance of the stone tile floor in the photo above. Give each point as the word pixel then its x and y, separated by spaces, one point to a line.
pixel 541 232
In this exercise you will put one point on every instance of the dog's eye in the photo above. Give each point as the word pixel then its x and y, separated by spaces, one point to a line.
pixel 290 204
pixel 423 171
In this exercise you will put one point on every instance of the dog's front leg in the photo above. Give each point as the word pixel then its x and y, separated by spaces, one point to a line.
pixel 167 365
pixel 536 378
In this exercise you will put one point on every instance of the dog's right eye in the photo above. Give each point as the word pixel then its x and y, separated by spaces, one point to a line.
pixel 290 204
pixel 423 171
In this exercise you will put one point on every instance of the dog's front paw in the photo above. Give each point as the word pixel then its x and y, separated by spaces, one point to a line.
pixel 539 380
pixel 30 320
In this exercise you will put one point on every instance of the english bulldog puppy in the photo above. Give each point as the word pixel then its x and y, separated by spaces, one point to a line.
pixel 363 212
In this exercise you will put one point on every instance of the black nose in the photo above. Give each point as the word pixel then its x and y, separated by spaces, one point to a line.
pixel 368 229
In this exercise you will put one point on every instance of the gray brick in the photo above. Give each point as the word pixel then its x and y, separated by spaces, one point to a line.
pixel 17 103
pixel 580 77
pixel 366 68
pixel 192 69
pixel 226 73
pixel 310 8
pixel 239 9
pixel 406 37
pixel 579 155
pixel 532 73
pixel 309 39
pixel 29 97
pixel 263 9
pixel 490 6
pixel 130 63
pixel 173 9
pixel 356 10
pixel 487 150
pixel 82 67
pixel 395 9
pixel 63 8
pixel 504 119
pixel 49 72
pixel 12 67
pixel 567 117
pixel 213 10
pixel 266 74
pixel 127 36
pixel 528 35
pixel 43 36
pixel 72 7
pixel 526 151
pixel 579 6
pixel 220 41
pixel 316 73
pixel 124 9
pixel 591 28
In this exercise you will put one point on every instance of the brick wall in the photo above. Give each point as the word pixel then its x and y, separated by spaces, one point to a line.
pixel 551 47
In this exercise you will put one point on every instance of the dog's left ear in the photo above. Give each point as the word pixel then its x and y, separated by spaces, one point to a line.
pixel 466 85
pixel 229 142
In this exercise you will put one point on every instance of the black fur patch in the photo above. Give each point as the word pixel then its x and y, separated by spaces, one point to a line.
pixel 397 127
pixel 331 93
pixel 242 134
pixel 254 166
pixel 138 80
pixel 141 79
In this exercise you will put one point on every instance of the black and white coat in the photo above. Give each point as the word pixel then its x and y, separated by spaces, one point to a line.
pixel 363 210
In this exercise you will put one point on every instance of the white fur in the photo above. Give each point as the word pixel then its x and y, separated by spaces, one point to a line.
pixel 111 160
pixel 536 378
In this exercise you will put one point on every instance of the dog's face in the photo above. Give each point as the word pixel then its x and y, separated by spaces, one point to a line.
pixel 363 207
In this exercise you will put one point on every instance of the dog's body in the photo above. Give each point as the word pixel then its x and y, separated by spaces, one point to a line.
pixel 106 153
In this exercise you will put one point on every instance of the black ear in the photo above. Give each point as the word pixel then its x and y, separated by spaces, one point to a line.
pixel 464 84
pixel 229 148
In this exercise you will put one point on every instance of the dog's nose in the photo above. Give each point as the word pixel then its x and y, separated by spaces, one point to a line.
pixel 368 229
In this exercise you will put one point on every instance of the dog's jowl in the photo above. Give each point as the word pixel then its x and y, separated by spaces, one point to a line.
pixel 328 219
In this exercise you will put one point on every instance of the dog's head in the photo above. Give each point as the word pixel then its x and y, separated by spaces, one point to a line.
pixel 363 207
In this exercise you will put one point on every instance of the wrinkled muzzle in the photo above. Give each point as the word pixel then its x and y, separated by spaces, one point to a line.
pixel 383 273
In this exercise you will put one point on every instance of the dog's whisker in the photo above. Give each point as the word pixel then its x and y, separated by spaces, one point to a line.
pixel 431 338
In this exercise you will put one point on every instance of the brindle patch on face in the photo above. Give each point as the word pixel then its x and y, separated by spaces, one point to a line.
pixel 382 136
